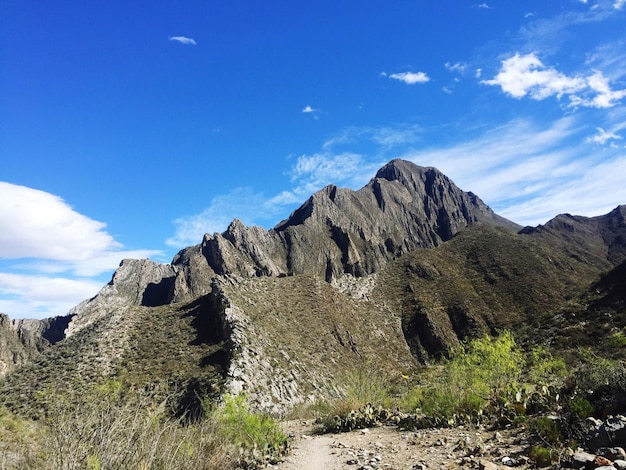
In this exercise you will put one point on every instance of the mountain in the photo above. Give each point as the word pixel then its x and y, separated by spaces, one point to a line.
pixel 21 340
pixel 386 278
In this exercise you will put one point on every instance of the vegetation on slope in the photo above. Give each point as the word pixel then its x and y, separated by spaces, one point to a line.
pixel 163 348
pixel 104 428
pixel 482 281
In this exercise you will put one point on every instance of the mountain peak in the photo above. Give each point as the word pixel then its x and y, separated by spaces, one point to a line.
pixel 399 169
pixel 338 230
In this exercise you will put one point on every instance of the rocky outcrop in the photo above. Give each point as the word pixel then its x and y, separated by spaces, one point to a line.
pixel 21 340
pixel 339 231
pixel 135 282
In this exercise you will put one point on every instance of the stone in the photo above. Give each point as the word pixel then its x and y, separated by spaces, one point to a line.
pixel 612 453
pixel 611 433
pixel 509 462
pixel 486 465
pixel 600 461
pixel 581 459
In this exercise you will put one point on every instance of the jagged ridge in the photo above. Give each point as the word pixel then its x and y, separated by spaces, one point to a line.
pixel 340 231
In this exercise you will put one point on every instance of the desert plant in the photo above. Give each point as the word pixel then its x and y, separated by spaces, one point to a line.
pixel 482 372
pixel 366 383
pixel 108 429
pixel 364 417
pixel 258 436
pixel 601 381
pixel 542 456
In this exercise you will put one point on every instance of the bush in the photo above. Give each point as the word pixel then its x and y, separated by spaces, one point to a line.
pixel 600 381
pixel 542 456
pixel 365 384
pixel 580 407
pixel 547 430
pixel 618 340
pixel 258 437
pixel 483 372
pixel 108 427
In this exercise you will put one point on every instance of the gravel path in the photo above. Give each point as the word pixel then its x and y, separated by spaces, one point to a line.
pixel 391 449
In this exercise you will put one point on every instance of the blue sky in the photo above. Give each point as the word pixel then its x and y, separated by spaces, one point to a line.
pixel 130 129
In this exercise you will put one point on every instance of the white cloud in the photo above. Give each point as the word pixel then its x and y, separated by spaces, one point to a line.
pixel 483 5
pixel 410 78
pixel 602 136
pixel 32 296
pixel 385 137
pixel 527 171
pixel 183 40
pixel 457 67
pixel 44 237
pixel 314 112
pixel 242 203
pixel 523 75
pixel 39 225
pixel 530 173
pixel 603 96
pixel 619 4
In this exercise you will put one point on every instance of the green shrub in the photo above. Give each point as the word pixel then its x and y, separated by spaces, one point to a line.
pixel 365 417
pixel 547 429
pixel 486 371
pixel 366 383
pixel 601 381
pixel 543 369
pixel 542 456
pixel 618 340
pixel 580 407
pixel 258 436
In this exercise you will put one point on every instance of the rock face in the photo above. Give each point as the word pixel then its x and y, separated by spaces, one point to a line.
pixel 21 340
pixel 339 231
pixel 136 282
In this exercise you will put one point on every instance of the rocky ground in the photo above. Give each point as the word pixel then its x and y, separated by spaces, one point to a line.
pixel 389 448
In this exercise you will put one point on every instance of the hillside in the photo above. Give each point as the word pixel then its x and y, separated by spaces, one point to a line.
pixel 386 278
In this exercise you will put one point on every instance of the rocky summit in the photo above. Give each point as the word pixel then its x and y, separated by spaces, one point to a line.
pixel 390 276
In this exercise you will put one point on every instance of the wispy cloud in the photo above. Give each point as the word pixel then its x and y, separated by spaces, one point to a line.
pixel 526 75
pixel 484 6
pixel 242 203
pixel 526 170
pixel 456 67
pixel 183 40
pixel 529 173
pixel 411 78
pixel 602 137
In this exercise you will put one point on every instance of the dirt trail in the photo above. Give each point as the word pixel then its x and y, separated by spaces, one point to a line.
pixel 312 453
pixel 388 448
